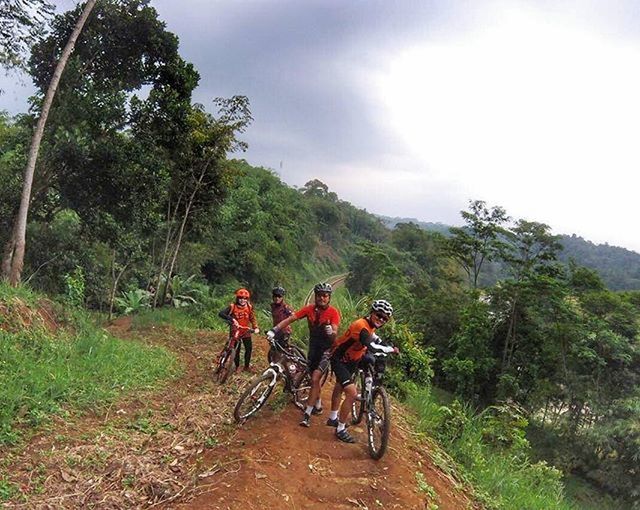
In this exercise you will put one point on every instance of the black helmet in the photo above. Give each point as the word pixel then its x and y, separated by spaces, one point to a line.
pixel 323 287
pixel 382 306
pixel 278 291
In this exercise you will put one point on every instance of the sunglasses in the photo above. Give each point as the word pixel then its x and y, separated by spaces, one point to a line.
pixel 381 316
pixel 242 299
pixel 275 296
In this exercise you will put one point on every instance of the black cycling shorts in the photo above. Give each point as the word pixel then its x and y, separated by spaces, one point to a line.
pixel 318 357
pixel 344 371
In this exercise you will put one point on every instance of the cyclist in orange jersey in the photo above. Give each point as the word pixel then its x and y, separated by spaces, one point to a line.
pixel 241 313
pixel 348 351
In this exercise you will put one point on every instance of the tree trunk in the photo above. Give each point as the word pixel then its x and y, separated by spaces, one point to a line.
pixel 510 337
pixel 116 279
pixel 15 261
pixel 170 221
pixel 182 226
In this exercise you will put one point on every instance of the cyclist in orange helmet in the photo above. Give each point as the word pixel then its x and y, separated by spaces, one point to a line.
pixel 240 313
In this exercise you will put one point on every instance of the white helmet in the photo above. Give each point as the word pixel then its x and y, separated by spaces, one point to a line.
pixel 382 306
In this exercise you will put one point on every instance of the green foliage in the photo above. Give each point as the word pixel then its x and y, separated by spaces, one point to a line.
pixel 491 451
pixel 23 22
pixel 479 240
pixel 133 301
pixel 472 362
pixel 74 287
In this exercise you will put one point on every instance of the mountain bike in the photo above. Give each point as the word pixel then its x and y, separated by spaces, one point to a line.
pixel 373 404
pixel 288 365
pixel 224 364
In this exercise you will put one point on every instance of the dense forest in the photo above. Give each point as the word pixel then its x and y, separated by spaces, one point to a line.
pixel 142 201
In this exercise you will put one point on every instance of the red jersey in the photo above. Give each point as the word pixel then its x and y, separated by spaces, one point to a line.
pixel 318 318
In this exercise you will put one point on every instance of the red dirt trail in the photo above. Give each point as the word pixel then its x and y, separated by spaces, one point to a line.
pixel 272 462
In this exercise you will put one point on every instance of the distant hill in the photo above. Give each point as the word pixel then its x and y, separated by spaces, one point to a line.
pixel 618 267
pixel 426 225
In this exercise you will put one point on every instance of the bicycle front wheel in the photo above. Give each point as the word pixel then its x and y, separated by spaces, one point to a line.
pixel 225 367
pixel 378 423
pixel 254 397
pixel 302 391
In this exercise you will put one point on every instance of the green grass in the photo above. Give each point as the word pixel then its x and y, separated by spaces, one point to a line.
pixel 183 320
pixel 23 293
pixel 503 478
pixel 42 373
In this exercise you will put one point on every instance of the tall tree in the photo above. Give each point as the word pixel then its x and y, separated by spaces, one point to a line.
pixel 13 260
pixel 478 241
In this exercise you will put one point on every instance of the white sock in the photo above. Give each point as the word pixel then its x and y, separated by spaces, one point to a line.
pixel 341 427
pixel 319 404
pixel 308 410
pixel 333 415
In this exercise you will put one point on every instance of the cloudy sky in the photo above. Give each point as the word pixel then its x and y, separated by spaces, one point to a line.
pixel 413 108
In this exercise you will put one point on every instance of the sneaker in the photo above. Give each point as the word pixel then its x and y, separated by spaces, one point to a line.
pixel 306 420
pixel 238 369
pixel 316 411
pixel 249 369
pixel 344 436
pixel 332 423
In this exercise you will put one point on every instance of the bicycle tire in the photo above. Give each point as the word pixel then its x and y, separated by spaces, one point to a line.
pixel 302 391
pixel 226 365
pixel 357 408
pixel 378 419
pixel 256 395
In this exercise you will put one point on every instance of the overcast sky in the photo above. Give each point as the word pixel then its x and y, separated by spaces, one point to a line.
pixel 413 108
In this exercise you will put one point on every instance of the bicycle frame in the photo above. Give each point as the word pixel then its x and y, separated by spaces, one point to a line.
pixel 290 368
pixel 227 355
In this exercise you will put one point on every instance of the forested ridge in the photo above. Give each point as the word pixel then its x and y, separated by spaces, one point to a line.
pixel 520 357
pixel 618 267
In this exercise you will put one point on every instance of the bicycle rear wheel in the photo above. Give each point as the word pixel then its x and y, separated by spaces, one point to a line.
pixel 357 408
pixel 225 366
pixel 254 397
pixel 378 423
pixel 325 375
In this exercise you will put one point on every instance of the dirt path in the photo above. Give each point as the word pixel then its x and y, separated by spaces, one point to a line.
pixel 272 462
pixel 177 448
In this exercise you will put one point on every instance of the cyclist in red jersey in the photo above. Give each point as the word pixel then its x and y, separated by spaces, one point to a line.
pixel 347 352
pixel 323 321
pixel 241 313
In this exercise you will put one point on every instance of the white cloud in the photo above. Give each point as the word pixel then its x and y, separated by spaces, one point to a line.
pixel 527 112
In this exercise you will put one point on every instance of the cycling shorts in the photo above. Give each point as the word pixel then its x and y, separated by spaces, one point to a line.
pixel 318 357
pixel 344 371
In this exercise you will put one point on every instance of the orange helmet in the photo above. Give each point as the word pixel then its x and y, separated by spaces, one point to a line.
pixel 243 293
